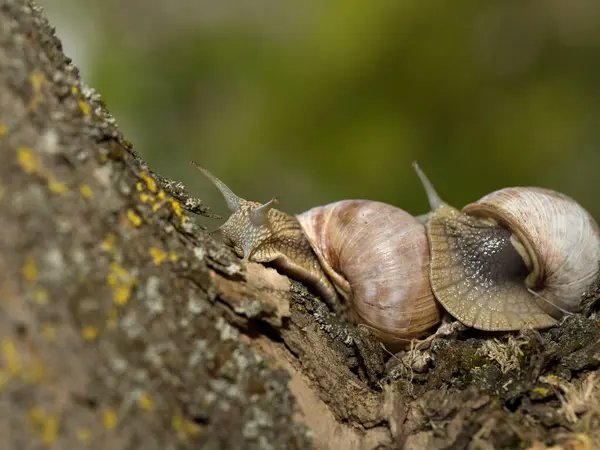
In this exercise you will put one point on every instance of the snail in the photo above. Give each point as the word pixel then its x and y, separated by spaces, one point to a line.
pixel 518 257
pixel 365 257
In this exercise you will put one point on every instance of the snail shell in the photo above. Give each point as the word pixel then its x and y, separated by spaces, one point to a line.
pixel 377 257
pixel 518 257
pixel 365 254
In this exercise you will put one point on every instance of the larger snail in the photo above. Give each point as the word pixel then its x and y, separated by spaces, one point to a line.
pixel 518 257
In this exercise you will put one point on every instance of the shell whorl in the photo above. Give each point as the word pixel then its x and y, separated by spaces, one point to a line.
pixel 561 239
pixel 377 257
pixel 519 257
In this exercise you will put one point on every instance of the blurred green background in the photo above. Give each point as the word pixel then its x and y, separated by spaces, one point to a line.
pixel 317 101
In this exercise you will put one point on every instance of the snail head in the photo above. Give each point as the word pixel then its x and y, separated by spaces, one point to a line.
pixel 248 227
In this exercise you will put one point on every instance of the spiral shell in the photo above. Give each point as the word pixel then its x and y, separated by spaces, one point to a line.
pixel 560 238
pixel 378 259
pixel 518 257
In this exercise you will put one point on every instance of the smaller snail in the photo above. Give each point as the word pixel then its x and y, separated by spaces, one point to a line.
pixel 367 256
pixel 518 257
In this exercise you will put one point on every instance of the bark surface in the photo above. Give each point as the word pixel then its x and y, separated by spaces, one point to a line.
pixel 123 325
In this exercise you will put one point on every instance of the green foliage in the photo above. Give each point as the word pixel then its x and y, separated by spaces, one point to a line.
pixel 317 101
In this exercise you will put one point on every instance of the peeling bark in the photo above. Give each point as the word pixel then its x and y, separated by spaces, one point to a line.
pixel 124 325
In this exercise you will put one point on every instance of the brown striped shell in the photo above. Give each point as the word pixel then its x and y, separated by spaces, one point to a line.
pixel 373 256
pixel 519 257
pixel 377 257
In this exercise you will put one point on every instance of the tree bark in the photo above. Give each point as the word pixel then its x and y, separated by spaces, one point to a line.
pixel 124 325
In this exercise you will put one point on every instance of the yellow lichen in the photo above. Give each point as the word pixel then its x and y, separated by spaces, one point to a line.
pixel 109 243
pixel 161 195
pixel 145 402
pixel 30 162
pixel 109 419
pixel 134 218
pixel 172 256
pixel 29 270
pixel 11 357
pixel 3 129
pixel 37 80
pixel 50 430
pixel 117 274
pixel 40 296
pixel 44 425
pixel 75 90
pixel 86 191
pixel 178 424
pixel 34 372
pixel 193 429
pixel 28 159
pixel 149 182
pixel 36 417
pixel 177 421
pixel 147 198
pixel 157 206
pixel 113 315
pixel 56 186
pixel 90 333
pixel 184 428
pixel 84 107
pixel 84 435
pixel 542 391
pixel 121 282
pixel 158 255
pixel 139 186
pixel 48 331
pixel 176 208
pixel 122 295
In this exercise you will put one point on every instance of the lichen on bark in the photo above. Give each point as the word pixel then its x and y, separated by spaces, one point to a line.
pixel 110 333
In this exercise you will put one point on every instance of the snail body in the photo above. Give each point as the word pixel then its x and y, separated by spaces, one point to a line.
pixel 365 256
pixel 518 257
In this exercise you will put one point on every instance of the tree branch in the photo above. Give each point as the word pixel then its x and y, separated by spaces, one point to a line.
pixel 124 325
